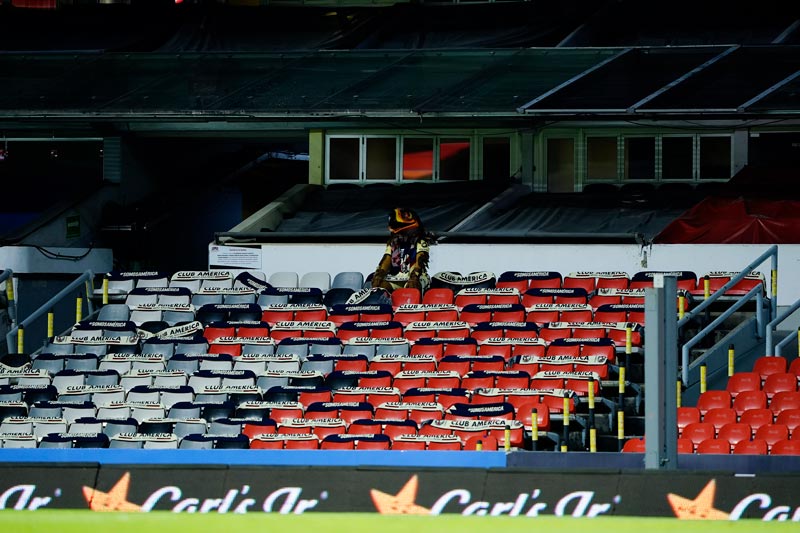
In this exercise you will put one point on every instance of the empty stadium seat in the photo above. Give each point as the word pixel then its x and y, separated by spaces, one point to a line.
pixel 750 447
pixel 772 433
pixel 743 381
pixel 734 433
pixel 767 365
pixel 697 432
pixel 785 447
pixel 779 382
pixel 791 418
pixel 687 415
pixel 714 446
pixel 348 280
pixel 751 399
pixel 784 400
pixel 711 399
pixel 756 418
pixel 634 445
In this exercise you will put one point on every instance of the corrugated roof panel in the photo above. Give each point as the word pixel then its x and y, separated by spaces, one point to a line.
pixel 127 82
pixel 627 79
pixel 786 98
pixel 28 80
pixel 733 80
pixel 308 83
pixel 411 82
pixel 195 82
pixel 514 79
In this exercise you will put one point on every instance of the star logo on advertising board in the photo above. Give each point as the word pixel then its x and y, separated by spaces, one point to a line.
pixel 115 499
pixel 400 503
pixel 700 508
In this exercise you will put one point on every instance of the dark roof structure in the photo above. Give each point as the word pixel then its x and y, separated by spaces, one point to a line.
pixel 481 84
pixel 390 64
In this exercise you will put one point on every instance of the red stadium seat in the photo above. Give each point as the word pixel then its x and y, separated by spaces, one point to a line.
pixel 635 445
pixel 687 415
pixel 772 433
pixel 778 382
pixel 486 442
pixel 406 295
pixel 794 366
pixel 720 416
pixel 716 446
pixel 697 432
pixel 438 295
pixel 685 445
pixel 750 447
pixel 742 381
pixel 749 399
pixel 756 418
pixel 711 399
pixel 791 418
pixel 784 400
pixel 735 432
pixel 785 447
pixel 767 365
pixel 577 280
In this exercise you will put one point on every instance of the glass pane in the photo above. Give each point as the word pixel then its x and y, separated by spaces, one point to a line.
pixel 715 158
pixel 417 158
pixel 775 149
pixel 560 165
pixel 381 158
pixel 640 158
pixel 454 159
pixel 676 158
pixel 343 158
pixel 496 158
pixel 601 154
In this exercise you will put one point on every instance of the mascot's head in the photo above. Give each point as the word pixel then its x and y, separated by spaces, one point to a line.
pixel 403 220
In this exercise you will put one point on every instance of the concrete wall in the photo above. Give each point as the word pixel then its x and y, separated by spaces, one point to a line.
pixel 465 258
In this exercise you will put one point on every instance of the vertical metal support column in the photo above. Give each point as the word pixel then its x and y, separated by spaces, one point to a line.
pixel 660 371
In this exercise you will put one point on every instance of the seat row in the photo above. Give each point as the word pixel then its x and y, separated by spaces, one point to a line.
pixel 321 419
pixel 121 283
pixel 105 388
pixel 534 356
pixel 755 446
pixel 265 441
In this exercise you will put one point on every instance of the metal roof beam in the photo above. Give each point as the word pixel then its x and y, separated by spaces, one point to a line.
pixel 763 94
pixel 635 107
pixel 525 107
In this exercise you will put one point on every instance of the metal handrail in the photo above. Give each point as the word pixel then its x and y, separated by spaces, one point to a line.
pixel 754 292
pixel 771 252
pixel 69 290
pixel 12 311
pixel 775 349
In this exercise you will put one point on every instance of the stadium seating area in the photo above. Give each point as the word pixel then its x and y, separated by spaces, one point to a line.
pixel 757 413
pixel 239 359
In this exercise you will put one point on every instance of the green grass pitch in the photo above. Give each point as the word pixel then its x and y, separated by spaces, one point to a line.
pixel 78 521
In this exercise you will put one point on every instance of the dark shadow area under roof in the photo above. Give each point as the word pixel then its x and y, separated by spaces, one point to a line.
pixel 159 27
pixel 364 209
pixel 166 26
pixel 634 212
pixel 485 212
pixel 400 84
pixel 689 22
